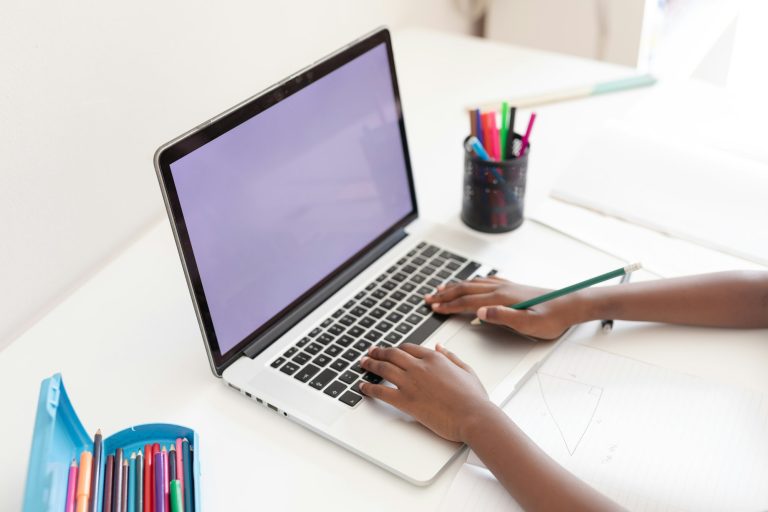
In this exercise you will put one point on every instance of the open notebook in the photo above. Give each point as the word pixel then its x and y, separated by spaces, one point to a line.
pixel 649 438
pixel 694 192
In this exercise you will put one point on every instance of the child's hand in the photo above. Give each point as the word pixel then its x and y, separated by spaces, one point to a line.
pixel 433 386
pixel 487 298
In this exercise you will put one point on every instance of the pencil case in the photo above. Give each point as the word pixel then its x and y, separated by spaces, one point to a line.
pixel 59 437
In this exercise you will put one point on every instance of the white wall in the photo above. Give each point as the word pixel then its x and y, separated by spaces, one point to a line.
pixel 89 89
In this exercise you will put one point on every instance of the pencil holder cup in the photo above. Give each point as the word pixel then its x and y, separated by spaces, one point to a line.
pixel 494 191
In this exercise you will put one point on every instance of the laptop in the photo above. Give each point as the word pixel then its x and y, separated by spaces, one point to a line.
pixel 296 220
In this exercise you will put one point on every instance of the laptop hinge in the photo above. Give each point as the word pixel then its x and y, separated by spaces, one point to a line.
pixel 301 311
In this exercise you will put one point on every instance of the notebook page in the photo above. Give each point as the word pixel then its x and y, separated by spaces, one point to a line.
pixel 649 438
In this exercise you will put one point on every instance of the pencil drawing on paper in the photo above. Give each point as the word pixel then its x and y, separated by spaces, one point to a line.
pixel 571 404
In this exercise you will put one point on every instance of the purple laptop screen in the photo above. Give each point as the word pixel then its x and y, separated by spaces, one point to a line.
pixel 282 200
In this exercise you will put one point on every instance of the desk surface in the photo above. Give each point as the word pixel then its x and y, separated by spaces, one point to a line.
pixel 130 336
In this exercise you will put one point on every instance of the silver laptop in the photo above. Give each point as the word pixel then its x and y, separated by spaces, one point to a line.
pixel 295 217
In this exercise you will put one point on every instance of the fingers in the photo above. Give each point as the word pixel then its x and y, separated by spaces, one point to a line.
pixel 381 392
pixel 518 320
pixel 383 369
pixel 416 351
pixel 453 357
pixel 454 291
pixel 467 304
pixel 399 358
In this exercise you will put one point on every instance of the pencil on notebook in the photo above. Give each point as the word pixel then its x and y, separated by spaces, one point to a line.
pixel 570 289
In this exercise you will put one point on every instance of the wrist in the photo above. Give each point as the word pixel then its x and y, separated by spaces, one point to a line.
pixel 477 422
pixel 592 306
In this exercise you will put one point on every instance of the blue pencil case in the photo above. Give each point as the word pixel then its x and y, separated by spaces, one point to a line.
pixel 59 437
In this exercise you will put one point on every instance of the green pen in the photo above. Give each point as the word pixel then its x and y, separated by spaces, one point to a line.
pixel 504 130
pixel 570 289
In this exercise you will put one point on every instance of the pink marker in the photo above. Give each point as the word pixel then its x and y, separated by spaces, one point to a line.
pixel 527 135
pixel 71 487
pixel 180 468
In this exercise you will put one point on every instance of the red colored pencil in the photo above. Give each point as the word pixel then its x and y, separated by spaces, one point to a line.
pixel 148 478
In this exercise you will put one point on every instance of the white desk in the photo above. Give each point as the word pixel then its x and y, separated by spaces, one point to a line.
pixel 129 336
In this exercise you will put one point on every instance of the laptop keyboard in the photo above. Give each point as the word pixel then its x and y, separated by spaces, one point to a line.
pixel 388 312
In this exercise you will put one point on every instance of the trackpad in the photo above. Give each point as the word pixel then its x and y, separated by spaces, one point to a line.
pixel 491 351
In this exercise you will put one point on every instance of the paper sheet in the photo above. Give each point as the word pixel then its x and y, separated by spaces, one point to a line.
pixel 696 193
pixel 649 438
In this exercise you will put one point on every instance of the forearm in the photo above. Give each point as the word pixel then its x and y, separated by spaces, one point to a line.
pixel 528 474
pixel 724 299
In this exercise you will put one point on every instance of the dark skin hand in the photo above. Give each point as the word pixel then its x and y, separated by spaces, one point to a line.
pixel 443 393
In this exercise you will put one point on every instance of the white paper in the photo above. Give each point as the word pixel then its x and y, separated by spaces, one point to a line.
pixel 706 196
pixel 647 437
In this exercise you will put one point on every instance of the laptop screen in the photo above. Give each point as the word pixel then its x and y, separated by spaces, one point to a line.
pixel 278 203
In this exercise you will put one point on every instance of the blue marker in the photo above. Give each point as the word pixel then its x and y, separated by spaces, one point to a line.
pixel 483 154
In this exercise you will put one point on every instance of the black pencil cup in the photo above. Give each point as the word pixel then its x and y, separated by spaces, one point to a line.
pixel 494 192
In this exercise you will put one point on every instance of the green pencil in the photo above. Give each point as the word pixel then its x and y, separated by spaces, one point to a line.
pixel 570 289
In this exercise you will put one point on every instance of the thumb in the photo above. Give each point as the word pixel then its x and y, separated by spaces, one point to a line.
pixel 516 319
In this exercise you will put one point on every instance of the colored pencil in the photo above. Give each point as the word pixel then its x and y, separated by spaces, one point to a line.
pixel 124 487
pixel 117 487
pixel 504 129
pixel 578 92
pixel 172 464
pixel 148 479
pixel 189 485
pixel 176 504
pixel 527 136
pixel 84 482
pixel 180 468
pixel 157 464
pixel 108 477
pixel 69 504
pixel 472 123
pixel 93 500
pixel 479 123
pixel 570 289
pixel 131 501
pixel 155 469
pixel 166 482
pixel 140 482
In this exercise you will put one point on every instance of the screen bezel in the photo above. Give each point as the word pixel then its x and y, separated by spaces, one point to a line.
pixel 239 114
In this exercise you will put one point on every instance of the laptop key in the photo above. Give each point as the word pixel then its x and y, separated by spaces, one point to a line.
pixel 399 277
pixel 289 368
pixel 321 360
pixel 409 269
pixel 383 344
pixel 423 310
pixel 424 290
pixel 367 321
pixel 372 378
pixel 404 308
pixel 357 368
pixel 314 332
pixel 323 378
pixel 277 362
pixel 345 341
pixel 428 270
pixel 437 262
pixel 421 245
pixel 418 279
pixel 351 355
pixel 347 320
pixel 306 373
pixel 404 328
pixel 290 352
pixel 381 278
pixel 468 270
pixel 394 317
pixel 362 345
pixel 397 295
pixel 314 348
pixel 384 326
pixel 379 294
pixel 356 331
pixel 360 295
pixel 332 350
pixel 388 304
pixel 419 261
pixel 339 365
pixel 326 323
pixel 368 302
pixel 303 341
pixel 358 311
pixel 435 282
pixel 372 336
pixel 411 253
pixel 413 319
pixel 336 329
pixel 452 265
pixel 370 286
pixel 338 313
pixel 325 338
pixel 407 287
pixel 444 274
pixel 348 377
pixel 349 304
pixel 378 313
pixel 389 285
pixel 416 300
pixel 393 337
pixel 350 398
pixel 301 357
pixel 450 256
pixel 430 251
pixel 335 389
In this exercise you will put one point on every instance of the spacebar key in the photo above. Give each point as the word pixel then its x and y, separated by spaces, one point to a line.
pixel 418 336
pixel 468 270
